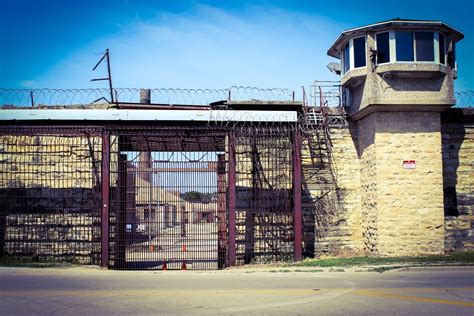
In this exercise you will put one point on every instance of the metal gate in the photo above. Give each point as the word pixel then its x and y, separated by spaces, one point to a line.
pixel 265 182
pixel 127 197
pixel 168 199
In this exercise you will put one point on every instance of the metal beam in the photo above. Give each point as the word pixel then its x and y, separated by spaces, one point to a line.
pixel 104 257
pixel 120 242
pixel 232 198
pixel 297 214
pixel 212 168
pixel 147 115
pixel 221 212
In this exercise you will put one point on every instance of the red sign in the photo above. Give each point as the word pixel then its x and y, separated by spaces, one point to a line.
pixel 409 164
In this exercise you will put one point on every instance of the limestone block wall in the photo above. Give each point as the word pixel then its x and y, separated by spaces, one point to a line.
pixel 49 161
pixel 49 197
pixel 410 201
pixel 403 212
pixel 331 195
pixel 57 237
pixel 458 174
pixel 368 183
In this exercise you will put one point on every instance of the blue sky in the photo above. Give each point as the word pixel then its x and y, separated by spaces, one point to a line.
pixel 197 44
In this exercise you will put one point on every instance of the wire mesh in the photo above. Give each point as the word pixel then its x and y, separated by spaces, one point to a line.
pixel 168 199
pixel 50 194
pixel 169 193
pixel 264 195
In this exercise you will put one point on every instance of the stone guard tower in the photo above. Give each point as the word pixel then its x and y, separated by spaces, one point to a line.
pixel 398 76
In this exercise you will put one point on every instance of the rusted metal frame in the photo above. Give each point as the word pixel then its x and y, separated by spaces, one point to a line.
pixel 297 212
pixel 221 212
pixel 232 198
pixel 251 213
pixel 183 169
pixel 121 211
pixel 139 127
pixel 104 262
pixel 51 130
pixel 157 106
pixel 160 255
pixel 110 77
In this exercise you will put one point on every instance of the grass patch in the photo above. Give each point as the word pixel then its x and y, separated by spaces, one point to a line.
pixel 466 258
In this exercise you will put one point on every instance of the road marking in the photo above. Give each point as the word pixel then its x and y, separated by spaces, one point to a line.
pixel 372 293
pixel 415 290
pixel 287 292
pixel 426 290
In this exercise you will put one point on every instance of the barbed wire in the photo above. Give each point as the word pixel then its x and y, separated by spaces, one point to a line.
pixel 68 97
pixel 464 99
pixel 331 96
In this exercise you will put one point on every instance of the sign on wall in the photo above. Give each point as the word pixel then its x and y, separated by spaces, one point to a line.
pixel 409 164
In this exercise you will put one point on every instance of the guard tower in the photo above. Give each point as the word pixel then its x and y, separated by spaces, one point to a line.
pixel 398 76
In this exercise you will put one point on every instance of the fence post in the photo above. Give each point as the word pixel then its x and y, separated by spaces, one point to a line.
pixel 104 257
pixel 32 99
pixel 297 214
pixel 221 212
pixel 232 198
pixel 121 215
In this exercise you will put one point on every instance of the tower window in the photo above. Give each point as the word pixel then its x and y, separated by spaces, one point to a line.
pixel 424 46
pixel 346 59
pixel 359 52
pixel 404 46
pixel 383 47
pixel 442 49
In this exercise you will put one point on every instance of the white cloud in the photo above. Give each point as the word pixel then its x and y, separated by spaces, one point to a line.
pixel 28 84
pixel 208 48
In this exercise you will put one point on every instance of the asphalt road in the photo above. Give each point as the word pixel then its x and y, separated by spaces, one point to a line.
pixel 92 291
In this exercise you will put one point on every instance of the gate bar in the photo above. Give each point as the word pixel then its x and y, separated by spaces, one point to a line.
pixel 297 216
pixel 221 212
pixel 104 254
pixel 232 197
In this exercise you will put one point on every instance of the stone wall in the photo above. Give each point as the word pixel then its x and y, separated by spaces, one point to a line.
pixel 380 208
pixel 73 237
pixel 368 190
pixel 357 197
pixel 49 161
pixel 50 197
pixel 409 201
pixel 331 200
pixel 458 178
